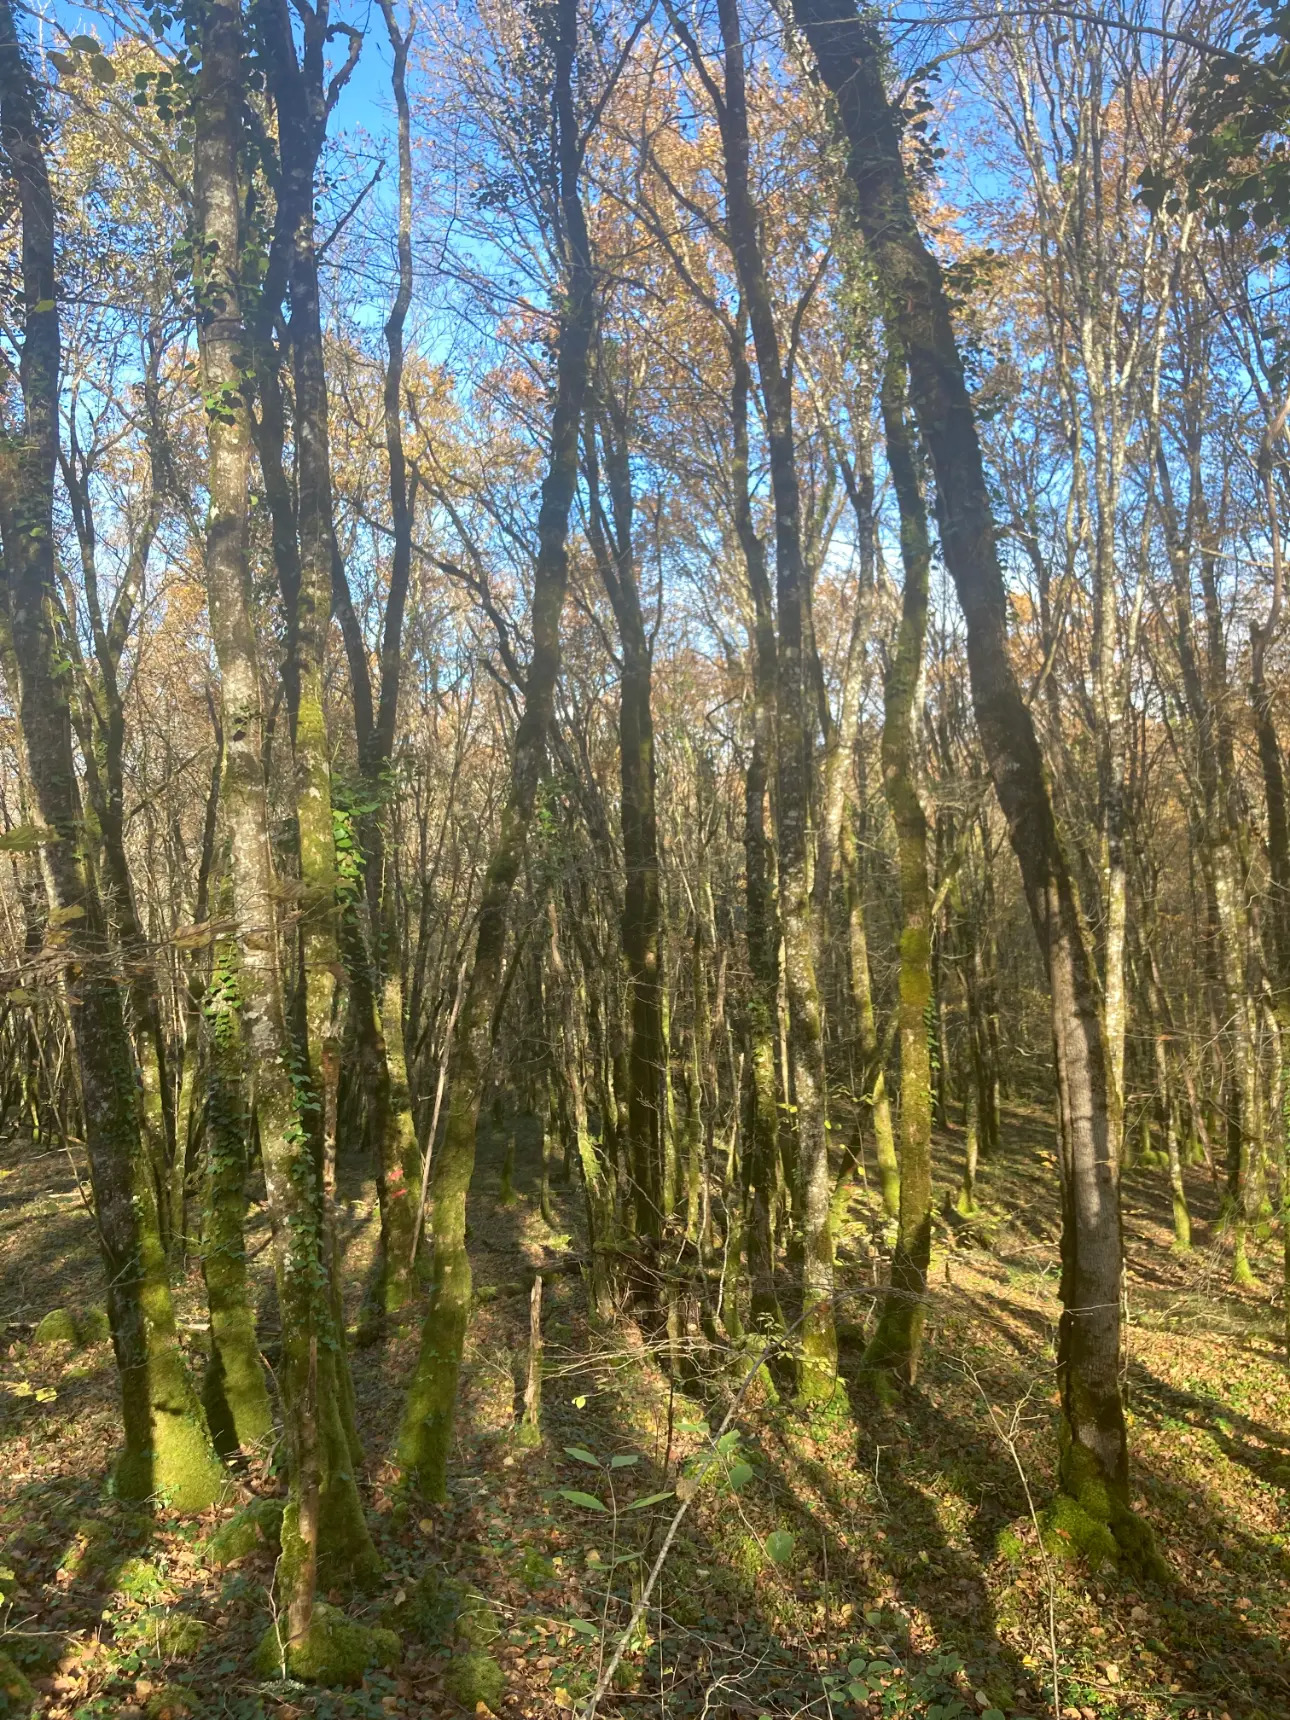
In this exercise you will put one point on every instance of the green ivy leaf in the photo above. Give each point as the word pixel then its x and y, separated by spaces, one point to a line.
pixel 740 1476
pixel 779 1546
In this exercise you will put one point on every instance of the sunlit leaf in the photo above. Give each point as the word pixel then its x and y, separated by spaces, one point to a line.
pixel 650 1499
pixel 588 1501
pixel 24 838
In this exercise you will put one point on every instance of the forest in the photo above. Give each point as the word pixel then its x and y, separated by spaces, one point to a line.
pixel 644 859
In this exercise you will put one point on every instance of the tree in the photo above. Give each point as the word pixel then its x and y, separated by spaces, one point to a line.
pixel 167 1442
pixel 426 1433
pixel 1094 1462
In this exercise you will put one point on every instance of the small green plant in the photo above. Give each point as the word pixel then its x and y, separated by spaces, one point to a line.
pixel 931 1691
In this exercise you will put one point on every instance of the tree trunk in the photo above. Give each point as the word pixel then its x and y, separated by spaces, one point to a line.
pixel 872 1058
pixel 759 880
pixel 322 1486
pixel 374 981
pixel 237 1397
pixel 1094 1456
pixel 103 745
pixel 896 1343
pixel 168 1450
pixel 794 750
pixel 425 1437
pixel 610 532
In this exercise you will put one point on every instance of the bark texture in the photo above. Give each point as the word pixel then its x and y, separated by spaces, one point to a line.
pixel 896 1343
pixel 322 1485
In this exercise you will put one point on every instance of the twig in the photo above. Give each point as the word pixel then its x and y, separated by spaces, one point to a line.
pixel 656 1570
pixel 1008 1436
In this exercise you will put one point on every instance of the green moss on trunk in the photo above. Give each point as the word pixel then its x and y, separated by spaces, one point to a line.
pixel 236 1393
pixel 425 1436
pixel 896 1342
pixel 333 1651
pixel 179 1464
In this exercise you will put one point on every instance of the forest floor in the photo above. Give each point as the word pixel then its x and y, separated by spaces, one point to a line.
pixel 875 1559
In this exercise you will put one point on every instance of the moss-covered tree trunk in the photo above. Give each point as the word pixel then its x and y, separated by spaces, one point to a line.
pixel 301 102
pixel 425 1437
pixel 236 1393
pixel 1159 1022
pixel 303 97
pixel 323 1531
pixel 190 1105
pixel 1272 763
pixel 1094 1458
pixel 759 874
pixel 966 1203
pixel 1217 840
pixel 376 992
pixel 837 844
pixel 168 1451
pixel 872 1057
pixel 794 745
pixel 592 1167
pixel 610 532
pixel 896 1343
pixel 102 737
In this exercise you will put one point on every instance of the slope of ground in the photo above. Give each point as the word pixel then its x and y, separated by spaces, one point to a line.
pixel 878 1559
